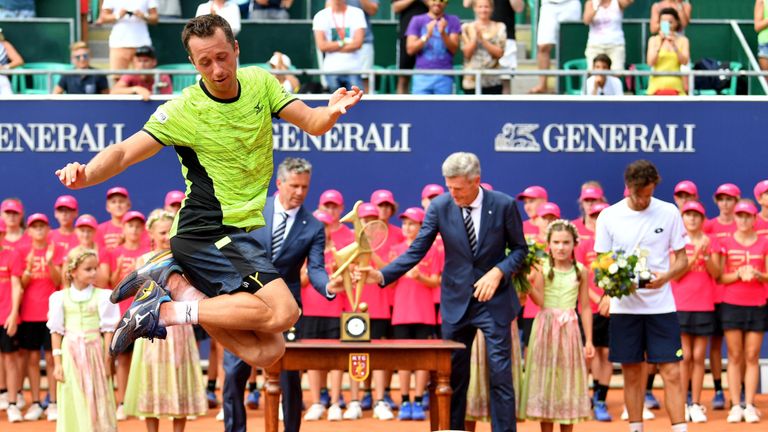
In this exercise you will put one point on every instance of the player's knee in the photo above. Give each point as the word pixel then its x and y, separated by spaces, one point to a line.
pixel 285 315
pixel 266 354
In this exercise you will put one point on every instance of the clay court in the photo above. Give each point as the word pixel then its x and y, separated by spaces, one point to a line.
pixel 256 422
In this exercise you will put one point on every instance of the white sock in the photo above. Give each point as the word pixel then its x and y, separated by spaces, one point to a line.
pixel 178 313
pixel 680 427
pixel 636 427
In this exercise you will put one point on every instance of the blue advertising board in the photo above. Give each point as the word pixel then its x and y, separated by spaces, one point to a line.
pixel 399 144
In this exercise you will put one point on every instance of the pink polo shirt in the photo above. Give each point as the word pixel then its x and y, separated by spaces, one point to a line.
pixel 65 241
pixel 695 291
pixel 529 229
pixel 24 242
pixel 110 236
pixel 34 303
pixel 315 304
pixel 718 231
pixel 123 261
pixel 11 265
pixel 761 226
pixel 413 301
pixel 740 293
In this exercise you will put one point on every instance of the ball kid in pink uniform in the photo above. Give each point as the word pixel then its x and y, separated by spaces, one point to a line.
pixel 12 213
pixel 532 197
pixel 65 212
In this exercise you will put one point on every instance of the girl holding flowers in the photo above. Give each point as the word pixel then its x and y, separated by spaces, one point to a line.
pixel 555 387
pixel 81 320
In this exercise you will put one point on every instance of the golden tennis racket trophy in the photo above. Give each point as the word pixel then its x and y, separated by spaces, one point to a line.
pixel 356 325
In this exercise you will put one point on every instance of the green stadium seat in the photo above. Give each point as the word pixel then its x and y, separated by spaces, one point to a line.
pixel 457 88
pixel 641 82
pixel 574 83
pixel 180 81
pixel 39 83
pixel 731 90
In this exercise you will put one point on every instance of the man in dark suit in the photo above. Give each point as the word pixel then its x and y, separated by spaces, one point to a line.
pixel 477 227
pixel 290 236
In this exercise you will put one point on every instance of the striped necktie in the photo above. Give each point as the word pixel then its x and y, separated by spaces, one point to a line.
pixel 470 226
pixel 279 235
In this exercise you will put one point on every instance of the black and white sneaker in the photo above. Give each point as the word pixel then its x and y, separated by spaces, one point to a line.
pixel 158 268
pixel 142 319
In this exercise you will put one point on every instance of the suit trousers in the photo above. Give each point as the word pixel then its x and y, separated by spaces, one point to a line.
pixel 499 349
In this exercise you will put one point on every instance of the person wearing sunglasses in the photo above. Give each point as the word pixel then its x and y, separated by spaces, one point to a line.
pixel 85 83
pixel 433 38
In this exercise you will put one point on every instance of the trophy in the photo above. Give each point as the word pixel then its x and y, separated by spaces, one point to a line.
pixel 355 325
pixel 641 268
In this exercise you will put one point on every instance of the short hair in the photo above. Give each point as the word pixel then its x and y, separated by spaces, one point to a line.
pixel 205 26
pixel 641 173
pixel 670 11
pixel 461 164
pixel 78 45
pixel 602 58
pixel 293 166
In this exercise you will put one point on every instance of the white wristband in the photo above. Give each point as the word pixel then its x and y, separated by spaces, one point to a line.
pixel 57 352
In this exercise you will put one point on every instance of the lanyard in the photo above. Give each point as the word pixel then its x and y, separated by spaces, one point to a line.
pixel 340 30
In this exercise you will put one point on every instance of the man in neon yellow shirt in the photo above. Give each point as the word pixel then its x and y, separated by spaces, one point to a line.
pixel 221 129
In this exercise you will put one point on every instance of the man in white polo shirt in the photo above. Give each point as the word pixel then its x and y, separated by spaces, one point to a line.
pixel 644 325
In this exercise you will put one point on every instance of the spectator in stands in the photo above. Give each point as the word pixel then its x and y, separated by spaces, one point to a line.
pixel 433 38
pixel 602 85
pixel 9 59
pixel 483 42
pixel 339 32
pixel 229 10
pixel 245 8
pixel 143 85
pixel 370 8
pixel 407 10
pixel 271 9
pixel 130 31
pixel 551 14
pixel 85 11
pixel 761 27
pixel 17 9
pixel 280 61
pixel 667 51
pixel 606 35
pixel 168 9
pixel 683 8
pixel 504 11
pixel 82 84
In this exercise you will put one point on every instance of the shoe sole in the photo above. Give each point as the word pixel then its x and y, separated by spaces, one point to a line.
pixel 125 333
pixel 130 285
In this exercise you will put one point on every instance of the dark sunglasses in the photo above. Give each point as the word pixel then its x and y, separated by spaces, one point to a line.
pixel 440 1
pixel 81 57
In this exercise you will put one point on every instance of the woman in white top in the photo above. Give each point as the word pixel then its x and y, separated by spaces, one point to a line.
pixel 130 31
pixel 606 35
pixel 229 10
pixel 9 59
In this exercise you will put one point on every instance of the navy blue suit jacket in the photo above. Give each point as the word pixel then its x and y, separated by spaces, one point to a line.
pixel 305 240
pixel 500 229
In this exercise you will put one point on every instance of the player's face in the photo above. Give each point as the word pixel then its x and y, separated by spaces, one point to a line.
pixel 292 191
pixel 693 221
pixel 159 234
pixel 216 60
pixel 132 230
pixel 463 189
pixel 683 197
pixel 640 196
pixel 65 215
pixel 118 205
pixel 561 245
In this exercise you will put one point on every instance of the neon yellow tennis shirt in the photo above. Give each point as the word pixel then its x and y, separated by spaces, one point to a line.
pixel 225 150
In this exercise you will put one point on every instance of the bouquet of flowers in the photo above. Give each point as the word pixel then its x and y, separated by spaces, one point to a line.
pixel 536 253
pixel 615 273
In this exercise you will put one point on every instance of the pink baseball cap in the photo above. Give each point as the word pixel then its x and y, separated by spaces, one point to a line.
pixel 382 196
pixel 597 208
pixel 548 209
pixel 367 209
pixel 486 186
pixel 533 192
pixel 133 214
pixel 174 197
pixel 688 187
pixel 760 189
pixel 332 196
pixel 694 206
pixel 729 189
pixel 12 205
pixel 591 192
pixel 3 228
pixel 87 221
pixel 118 190
pixel 415 214
pixel 745 207
pixel 431 190
pixel 323 217
pixel 67 201
pixel 37 217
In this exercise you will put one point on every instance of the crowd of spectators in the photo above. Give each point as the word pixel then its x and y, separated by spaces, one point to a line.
pixel 429 39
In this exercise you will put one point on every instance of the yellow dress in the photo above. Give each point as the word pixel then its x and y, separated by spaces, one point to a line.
pixel 667 61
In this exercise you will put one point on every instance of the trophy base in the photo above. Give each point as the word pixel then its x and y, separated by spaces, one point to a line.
pixel 355 327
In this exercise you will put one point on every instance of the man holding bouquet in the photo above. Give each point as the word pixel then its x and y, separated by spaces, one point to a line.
pixel 644 325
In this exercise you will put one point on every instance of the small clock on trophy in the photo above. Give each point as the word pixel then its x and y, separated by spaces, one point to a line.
pixel 642 270
pixel 355 325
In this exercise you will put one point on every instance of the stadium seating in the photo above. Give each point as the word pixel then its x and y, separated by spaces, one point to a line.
pixel 38 84
pixel 180 81
pixel 574 83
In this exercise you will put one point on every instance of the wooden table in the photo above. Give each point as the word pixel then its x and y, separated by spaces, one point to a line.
pixel 324 354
